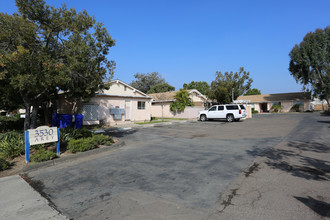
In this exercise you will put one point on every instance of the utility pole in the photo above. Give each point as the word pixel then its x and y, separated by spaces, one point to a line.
pixel 232 94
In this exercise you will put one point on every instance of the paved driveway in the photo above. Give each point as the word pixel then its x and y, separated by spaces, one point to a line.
pixel 183 168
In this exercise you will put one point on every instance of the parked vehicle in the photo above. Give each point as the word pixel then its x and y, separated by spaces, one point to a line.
pixel 230 112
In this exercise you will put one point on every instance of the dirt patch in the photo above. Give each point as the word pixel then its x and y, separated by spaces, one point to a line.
pixel 17 166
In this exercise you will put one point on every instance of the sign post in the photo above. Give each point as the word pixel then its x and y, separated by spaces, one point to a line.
pixel 41 135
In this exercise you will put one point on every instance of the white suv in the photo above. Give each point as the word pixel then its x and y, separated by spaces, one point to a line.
pixel 230 112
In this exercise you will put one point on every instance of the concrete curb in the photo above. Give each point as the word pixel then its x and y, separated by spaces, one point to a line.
pixel 32 167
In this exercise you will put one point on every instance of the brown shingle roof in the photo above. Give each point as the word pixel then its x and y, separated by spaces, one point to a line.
pixel 277 97
pixel 163 96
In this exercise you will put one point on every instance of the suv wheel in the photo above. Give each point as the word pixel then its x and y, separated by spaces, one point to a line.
pixel 230 118
pixel 203 118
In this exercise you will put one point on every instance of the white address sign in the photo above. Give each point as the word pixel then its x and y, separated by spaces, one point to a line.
pixel 43 134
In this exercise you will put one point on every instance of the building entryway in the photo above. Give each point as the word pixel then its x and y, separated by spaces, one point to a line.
pixel 128 110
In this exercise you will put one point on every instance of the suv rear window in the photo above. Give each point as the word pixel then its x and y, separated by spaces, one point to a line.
pixel 242 106
pixel 232 107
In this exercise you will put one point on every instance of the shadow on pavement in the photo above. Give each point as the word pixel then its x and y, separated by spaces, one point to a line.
pixel 304 167
pixel 119 133
pixel 318 206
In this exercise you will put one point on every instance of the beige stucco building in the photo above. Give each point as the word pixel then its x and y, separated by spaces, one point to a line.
pixel 161 105
pixel 263 103
pixel 119 104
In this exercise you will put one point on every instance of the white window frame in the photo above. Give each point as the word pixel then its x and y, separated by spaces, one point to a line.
pixel 142 105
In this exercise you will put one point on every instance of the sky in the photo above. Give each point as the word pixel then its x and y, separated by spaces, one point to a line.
pixel 189 40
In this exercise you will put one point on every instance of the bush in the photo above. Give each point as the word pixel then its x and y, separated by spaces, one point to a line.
pixel 277 108
pixel 11 144
pixel 81 145
pixel 66 134
pixel 85 144
pixel 11 123
pixel 295 108
pixel 43 155
pixel 4 164
pixel 254 111
pixel 100 139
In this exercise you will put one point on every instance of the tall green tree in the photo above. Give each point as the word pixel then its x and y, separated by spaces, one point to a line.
pixel 230 85
pixel 145 81
pixel 253 91
pixel 182 100
pixel 162 87
pixel 310 62
pixel 45 50
pixel 202 86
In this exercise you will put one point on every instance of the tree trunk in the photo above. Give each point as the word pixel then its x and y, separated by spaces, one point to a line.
pixel 47 110
pixel 34 115
pixel 27 117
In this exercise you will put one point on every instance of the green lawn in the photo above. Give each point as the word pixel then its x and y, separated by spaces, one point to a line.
pixel 170 118
pixel 149 122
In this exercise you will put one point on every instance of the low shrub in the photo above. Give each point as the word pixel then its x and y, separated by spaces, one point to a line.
pixel 85 144
pixel 100 139
pixel 4 164
pixel 254 111
pixel 66 134
pixel 81 145
pixel 11 144
pixel 43 155
pixel 276 107
pixel 295 108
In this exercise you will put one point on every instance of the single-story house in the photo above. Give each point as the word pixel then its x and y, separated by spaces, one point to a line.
pixel 119 104
pixel 161 105
pixel 263 103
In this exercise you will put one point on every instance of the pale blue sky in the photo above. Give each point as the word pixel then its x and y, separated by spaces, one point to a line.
pixel 191 40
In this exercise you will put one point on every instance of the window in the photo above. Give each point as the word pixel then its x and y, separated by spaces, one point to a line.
pixel 220 108
pixel 90 112
pixel 214 108
pixel 242 106
pixel 232 107
pixel 141 105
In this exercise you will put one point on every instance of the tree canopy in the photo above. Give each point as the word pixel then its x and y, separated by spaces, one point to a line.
pixel 145 81
pixel 310 62
pixel 182 100
pixel 202 86
pixel 253 91
pixel 162 87
pixel 45 50
pixel 230 85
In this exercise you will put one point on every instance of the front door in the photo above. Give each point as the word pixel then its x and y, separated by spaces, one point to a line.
pixel 128 109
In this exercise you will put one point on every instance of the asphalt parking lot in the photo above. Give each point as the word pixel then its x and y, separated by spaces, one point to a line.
pixel 183 168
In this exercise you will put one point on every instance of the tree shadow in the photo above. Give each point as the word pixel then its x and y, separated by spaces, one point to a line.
pixel 296 164
pixel 318 206
pixel 327 122
pixel 310 146
pixel 119 133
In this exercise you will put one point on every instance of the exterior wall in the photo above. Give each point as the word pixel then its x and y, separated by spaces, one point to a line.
pixel 105 103
pixel 163 110
pixel 286 106
pixel 141 114
pixel 196 98
pixel 248 111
